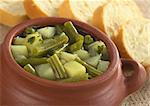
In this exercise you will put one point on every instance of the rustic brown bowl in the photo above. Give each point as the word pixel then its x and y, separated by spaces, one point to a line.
pixel 21 88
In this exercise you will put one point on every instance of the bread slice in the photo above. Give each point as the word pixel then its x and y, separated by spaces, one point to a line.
pixel 133 41
pixel 12 12
pixel 111 16
pixel 80 9
pixel 42 8
pixel 146 62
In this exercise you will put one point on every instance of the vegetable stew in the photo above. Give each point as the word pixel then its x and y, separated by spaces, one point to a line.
pixel 60 53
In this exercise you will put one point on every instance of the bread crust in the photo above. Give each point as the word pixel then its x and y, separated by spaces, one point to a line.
pixel 100 18
pixel 32 10
pixel 66 14
pixel 10 19
pixel 119 41
pixel 124 51
pixel 97 19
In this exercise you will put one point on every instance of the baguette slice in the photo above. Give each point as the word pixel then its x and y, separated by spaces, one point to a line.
pixel 111 16
pixel 133 41
pixel 79 9
pixel 12 12
pixel 42 8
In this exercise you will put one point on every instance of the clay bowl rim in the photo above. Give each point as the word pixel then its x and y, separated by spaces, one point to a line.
pixel 114 56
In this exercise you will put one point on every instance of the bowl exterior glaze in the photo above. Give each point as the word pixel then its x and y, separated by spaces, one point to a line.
pixel 22 88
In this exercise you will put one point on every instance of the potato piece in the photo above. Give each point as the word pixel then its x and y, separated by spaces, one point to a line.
pixel 103 65
pixel 82 54
pixel 47 32
pixel 19 50
pixel 74 68
pixel 93 60
pixel 45 71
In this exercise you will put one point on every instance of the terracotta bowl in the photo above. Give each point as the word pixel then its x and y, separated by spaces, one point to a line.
pixel 21 88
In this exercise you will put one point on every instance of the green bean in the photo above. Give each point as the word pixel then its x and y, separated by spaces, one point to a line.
pixel 88 39
pixel 105 55
pixel 22 60
pixel 29 30
pixel 46 48
pixel 54 68
pixel 91 70
pixel 77 45
pixel 59 29
pixel 75 39
pixel 76 78
pixel 71 32
pixel 30 69
pixel 57 66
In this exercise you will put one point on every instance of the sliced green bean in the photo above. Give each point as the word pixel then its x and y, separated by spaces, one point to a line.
pixel 57 66
pixel 91 70
pixel 22 60
pixel 30 69
pixel 82 77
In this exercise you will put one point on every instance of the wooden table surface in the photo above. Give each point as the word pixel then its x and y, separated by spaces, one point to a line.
pixel 140 97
